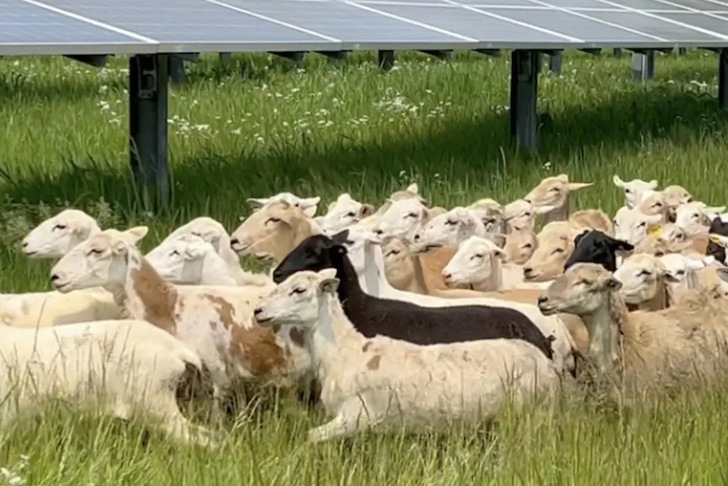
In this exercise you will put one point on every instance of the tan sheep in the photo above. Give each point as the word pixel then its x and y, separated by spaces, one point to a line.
pixel 554 192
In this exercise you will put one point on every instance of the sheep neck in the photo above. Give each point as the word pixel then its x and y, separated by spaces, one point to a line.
pixel 495 279
pixel 605 329
pixel 374 279
pixel 560 213
pixel 418 276
pixel 331 339
pixel 146 295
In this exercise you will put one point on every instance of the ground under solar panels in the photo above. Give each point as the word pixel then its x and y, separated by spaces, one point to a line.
pixel 168 26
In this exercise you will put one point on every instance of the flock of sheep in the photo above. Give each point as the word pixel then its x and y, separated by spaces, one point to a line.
pixel 407 314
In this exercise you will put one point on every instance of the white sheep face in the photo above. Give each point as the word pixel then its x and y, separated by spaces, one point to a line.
pixel 206 228
pixel 190 260
pixel 403 219
pixel 696 214
pixel 358 242
pixel 640 275
pixel 678 266
pixel 298 300
pixel 344 212
pixel 450 228
pixel 100 261
pixel 473 263
pixel 634 189
pixel 632 225
pixel 307 205
pixel 56 236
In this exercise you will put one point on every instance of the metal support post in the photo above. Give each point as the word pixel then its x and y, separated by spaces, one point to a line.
pixel 226 57
pixel 643 65
pixel 723 79
pixel 524 91
pixel 617 52
pixel 176 69
pixel 148 82
pixel 555 62
pixel 386 60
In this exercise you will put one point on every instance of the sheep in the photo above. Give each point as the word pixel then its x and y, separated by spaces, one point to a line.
pixel 214 233
pixel 215 321
pixel 646 346
pixel 696 218
pixel 272 231
pixel 362 376
pixel 676 196
pixel 644 280
pixel 403 219
pixel 364 254
pixel 632 225
pixel 633 189
pixel 555 245
pixel 307 205
pixel 720 228
pixel 190 260
pixel 521 215
pixel 123 365
pixel 592 219
pixel 554 191
pixel 478 263
pixel 520 245
pixel 680 269
pixel 415 272
pixel 491 215
pixel 342 213
pixel 450 228
pixel 57 235
pixel 596 247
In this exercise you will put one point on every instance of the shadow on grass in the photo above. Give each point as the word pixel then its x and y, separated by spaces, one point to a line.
pixel 472 148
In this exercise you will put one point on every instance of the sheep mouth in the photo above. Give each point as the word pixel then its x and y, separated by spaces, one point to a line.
pixel 30 253
pixel 263 320
pixel 240 248
pixel 548 309
pixel 61 286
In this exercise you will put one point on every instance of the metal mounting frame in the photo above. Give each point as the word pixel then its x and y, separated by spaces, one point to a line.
pixel 524 94
pixel 148 85
pixel 643 65
pixel 440 54
pixel 723 79
pixel 295 56
pixel 90 60
pixel 385 60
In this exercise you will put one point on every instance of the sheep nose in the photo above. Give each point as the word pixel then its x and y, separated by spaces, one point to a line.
pixel 378 232
pixel 542 299
pixel 257 311
pixel 447 277
pixel 25 244
pixel 528 200
pixel 234 242
pixel 527 270
pixel 54 277
pixel 417 237
pixel 277 276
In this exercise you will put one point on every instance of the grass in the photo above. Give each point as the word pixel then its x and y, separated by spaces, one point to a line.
pixel 262 125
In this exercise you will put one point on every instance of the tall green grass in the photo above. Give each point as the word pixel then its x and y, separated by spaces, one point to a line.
pixel 262 125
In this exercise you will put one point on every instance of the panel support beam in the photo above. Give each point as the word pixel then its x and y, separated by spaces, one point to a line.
pixel 295 56
pixel 442 55
pixel 555 61
pixel 334 55
pixel 176 70
pixel 90 60
pixel 593 52
pixel 489 52
pixel 385 60
pixel 226 57
pixel 524 92
pixel 148 83
pixel 643 65
pixel 723 79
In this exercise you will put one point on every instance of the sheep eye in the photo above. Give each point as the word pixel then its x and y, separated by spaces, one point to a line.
pixel 451 223
pixel 695 215
pixel 174 253
pixel 478 255
pixel 94 251
pixel 628 191
pixel 351 214
pixel 527 214
pixel 659 253
pixel 615 223
pixel 298 290
pixel 644 273
pixel 273 220
pixel 528 245
pixel 680 272
pixel 558 250
pixel 554 189
pixel 411 215
pixel 642 224
pixel 59 227
pixel 394 252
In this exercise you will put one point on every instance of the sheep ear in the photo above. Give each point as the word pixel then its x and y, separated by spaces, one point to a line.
pixel 309 206
pixel 134 235
pixel 653 184
pixel 617 181
pixel 722 273
pixel 119 247
pixel 575 186
pixel 366 210
pixel 413 188
pixel 329 284
pixel 543 209
pixel 718 239
pixel 670 278
pixel 257 203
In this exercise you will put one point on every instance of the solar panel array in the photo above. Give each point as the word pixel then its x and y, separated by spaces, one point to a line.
pixel 168 26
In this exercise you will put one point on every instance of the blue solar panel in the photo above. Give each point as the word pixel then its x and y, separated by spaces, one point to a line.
pixel 146 26
pixel 25 27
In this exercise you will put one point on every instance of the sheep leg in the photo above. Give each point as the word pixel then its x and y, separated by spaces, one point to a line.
pixel 176 425
pixel 350 419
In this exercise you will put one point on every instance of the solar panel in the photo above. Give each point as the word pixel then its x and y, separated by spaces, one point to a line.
pixel 143 26
pixel 30 29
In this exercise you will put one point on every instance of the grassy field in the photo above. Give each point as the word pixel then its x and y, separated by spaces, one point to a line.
pixel 262 125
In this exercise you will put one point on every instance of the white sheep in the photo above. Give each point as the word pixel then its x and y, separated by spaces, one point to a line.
pixel 680 267
pixel 478 263
pixel 450 228
pixel 632 225
pixel 57 235
pixel 695 217
pixel 380 381
pixel 634 189
pixel 342 213
pixel 125 366
pixel 190 260
pixel 403 219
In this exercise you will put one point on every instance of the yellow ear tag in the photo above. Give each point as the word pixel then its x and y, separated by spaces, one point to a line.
pixel 655 231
